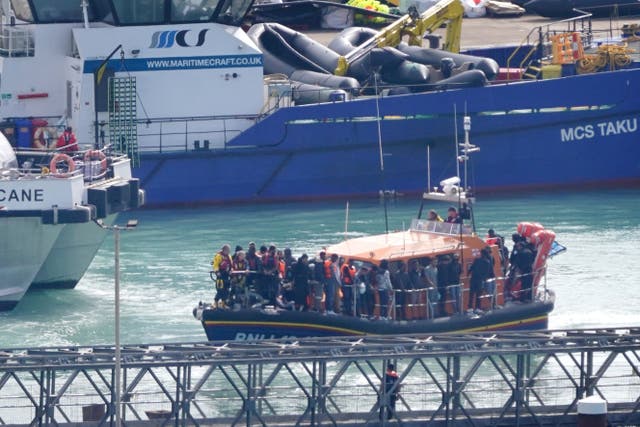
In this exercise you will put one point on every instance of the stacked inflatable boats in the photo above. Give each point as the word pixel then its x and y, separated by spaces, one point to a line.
pixel 310 65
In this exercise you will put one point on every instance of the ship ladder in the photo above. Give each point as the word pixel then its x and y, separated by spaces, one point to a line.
pixel 123 130
pixel 533 71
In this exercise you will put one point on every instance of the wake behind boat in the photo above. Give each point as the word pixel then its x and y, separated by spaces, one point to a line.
pixel 438 276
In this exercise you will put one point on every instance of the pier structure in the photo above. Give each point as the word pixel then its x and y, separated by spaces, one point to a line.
pixel 475 379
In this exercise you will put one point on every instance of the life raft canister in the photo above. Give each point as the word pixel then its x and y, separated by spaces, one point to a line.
pixel 61 157
pixel 526 229
pixel 92 155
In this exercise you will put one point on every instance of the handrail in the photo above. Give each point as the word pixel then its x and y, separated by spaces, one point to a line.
pixel 540 42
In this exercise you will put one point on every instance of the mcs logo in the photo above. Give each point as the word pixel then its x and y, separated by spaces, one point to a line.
pixel 166 39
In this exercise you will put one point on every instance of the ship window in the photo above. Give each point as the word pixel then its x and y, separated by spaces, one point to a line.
pixel 22 10
pixel 58 11
pixel 187 11
pixel 233 11
pixel 139 11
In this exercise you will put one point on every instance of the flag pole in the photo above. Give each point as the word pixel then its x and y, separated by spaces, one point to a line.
pixel 97 78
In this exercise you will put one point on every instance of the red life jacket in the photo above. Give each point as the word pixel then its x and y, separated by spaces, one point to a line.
pixel 226 263
pixel 491 240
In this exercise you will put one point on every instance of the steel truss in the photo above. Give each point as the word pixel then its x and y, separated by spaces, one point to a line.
pixel 474 379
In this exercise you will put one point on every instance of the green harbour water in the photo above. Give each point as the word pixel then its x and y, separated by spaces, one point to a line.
pixel 165 262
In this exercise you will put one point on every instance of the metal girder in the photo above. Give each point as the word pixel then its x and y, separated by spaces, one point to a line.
pixel 472 379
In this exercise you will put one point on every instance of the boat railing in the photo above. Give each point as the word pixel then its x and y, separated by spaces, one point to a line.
pixel 428 302
pixel 187 134
pixel 439 227
pixel 36 162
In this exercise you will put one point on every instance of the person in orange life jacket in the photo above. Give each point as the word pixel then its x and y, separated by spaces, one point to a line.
pixel 453 216
pixel 269 274
pixel 67 141
pixel 281 265
pixel 347 277
pixel 222 265
pixel 391 389
pixel 332 277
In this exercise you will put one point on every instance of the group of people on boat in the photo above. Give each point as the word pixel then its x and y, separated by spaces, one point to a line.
pixel 420 288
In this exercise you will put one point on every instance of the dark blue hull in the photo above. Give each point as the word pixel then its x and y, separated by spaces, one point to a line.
pixel 242 325
pixel 572 131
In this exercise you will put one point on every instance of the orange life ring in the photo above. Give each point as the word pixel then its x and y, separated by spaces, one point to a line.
pixel 96 155
pixel 40 138
pixel 61 157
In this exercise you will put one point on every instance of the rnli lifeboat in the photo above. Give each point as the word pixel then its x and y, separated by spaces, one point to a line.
pixel 496 299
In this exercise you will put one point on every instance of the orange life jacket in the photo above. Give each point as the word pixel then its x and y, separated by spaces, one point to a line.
pixel 281 268
pixel 327 269
pixel 348 274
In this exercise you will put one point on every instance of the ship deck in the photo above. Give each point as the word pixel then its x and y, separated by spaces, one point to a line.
pixel 486 31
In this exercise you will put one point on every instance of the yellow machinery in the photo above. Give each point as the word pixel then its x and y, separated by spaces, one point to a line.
pixel 413 25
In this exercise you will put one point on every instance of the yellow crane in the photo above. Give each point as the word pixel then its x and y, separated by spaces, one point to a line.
pixel 413 25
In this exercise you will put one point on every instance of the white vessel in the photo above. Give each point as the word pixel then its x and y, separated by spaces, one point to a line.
pixel 77 244
pixel 46 219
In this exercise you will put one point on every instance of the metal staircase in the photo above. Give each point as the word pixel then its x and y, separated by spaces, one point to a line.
pixel 123 130
pixel 536 48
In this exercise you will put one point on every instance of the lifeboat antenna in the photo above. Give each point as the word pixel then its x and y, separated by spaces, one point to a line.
pixel 455 138
pixel 85 13
pixel 346 221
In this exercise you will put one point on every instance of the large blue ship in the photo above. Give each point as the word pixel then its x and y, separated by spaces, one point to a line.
pixel 188 94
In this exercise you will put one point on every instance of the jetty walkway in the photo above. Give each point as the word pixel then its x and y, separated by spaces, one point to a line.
pixel 477 379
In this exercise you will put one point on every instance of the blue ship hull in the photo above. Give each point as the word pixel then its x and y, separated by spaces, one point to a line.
pixel 572 131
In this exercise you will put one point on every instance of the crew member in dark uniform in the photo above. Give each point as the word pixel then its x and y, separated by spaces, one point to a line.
pixel 301 275
pixel 524 263
pixel 390 380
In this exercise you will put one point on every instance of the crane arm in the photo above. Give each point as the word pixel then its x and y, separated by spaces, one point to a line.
pixel 414 26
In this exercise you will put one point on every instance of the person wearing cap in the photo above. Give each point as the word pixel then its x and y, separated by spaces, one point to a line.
pixel 433 216
pixel 452 216
pixel 391 389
